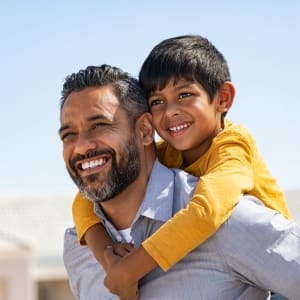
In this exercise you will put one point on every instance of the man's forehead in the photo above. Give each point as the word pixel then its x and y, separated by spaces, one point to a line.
pixel 88 102
pixel 91 98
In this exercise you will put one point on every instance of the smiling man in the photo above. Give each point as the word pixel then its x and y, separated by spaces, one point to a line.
pixel 109 153
pixel 96 172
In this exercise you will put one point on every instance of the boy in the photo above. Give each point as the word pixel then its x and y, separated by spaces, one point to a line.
pixel 187 81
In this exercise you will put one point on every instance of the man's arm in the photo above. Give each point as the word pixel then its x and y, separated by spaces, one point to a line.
pixel 262 247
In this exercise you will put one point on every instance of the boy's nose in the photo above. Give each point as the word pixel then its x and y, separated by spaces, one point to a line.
pixel 173 110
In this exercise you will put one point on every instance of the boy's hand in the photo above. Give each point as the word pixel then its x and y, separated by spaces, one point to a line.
pixel 122 249
pixel 116 280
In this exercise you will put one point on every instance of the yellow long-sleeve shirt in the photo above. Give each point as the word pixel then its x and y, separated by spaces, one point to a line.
pixel 232 166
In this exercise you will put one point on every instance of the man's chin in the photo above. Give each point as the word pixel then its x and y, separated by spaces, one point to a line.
pixel 90 179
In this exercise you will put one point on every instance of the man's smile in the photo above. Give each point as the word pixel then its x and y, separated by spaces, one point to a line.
pixel 92 164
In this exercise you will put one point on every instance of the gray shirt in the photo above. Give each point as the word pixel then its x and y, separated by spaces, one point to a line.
pixel 255 251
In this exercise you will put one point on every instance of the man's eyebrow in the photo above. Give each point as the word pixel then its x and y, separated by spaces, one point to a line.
pixel 62 128
pixel 97 117
pixel 89 119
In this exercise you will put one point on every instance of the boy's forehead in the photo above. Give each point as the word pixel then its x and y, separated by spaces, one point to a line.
pixel 176 83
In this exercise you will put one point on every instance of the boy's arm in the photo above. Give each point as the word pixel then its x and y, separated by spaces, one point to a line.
pixel 214 199
pixel 123 273
pixel 89 228
pixel 227 173
pixel 98 240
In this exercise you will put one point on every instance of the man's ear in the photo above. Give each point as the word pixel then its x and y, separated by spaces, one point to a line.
pixel 145 128
pixel 226 96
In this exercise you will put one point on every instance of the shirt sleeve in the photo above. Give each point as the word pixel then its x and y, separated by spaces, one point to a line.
pixel 263 248
pixel 83 216
pixel 227 175
pixel 86 276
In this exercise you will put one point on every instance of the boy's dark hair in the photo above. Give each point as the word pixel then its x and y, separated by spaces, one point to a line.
pixel 132 98
pixel 191 57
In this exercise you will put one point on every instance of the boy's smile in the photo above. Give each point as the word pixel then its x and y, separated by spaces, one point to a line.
pixel 179 129
pixel 186 117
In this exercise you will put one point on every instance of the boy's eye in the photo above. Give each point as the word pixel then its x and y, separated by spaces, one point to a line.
pixel 155 102
pixel 184 95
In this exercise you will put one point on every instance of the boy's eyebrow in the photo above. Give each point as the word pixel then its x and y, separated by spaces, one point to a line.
pixel 176 86
pixel 89 119
pixel 183 85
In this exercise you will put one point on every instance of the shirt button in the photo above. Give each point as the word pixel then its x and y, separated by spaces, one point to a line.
pixel 119 238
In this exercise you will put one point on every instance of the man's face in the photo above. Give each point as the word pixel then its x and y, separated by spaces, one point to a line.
pixel 99 147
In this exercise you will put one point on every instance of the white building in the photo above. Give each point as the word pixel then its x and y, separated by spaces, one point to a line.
pixel 31 245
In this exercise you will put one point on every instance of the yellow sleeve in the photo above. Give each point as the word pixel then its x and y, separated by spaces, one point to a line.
pixel 83 216
pixel 168 155
pixel 228 175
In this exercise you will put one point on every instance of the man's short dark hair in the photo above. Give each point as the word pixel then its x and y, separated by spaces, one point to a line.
pixel 127 89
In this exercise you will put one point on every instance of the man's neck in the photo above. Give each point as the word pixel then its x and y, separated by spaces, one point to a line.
pixel 122 209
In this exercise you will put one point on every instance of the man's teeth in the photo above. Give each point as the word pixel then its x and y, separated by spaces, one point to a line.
pixel 177 128
pixel 93 164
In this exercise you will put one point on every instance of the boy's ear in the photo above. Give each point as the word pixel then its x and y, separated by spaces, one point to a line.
pixel 145 128
pixel 226 96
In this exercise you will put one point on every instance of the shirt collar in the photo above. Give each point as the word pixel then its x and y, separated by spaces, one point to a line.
pixel 158 201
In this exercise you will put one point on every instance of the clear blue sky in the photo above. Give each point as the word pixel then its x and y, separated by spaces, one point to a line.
pixel 43 41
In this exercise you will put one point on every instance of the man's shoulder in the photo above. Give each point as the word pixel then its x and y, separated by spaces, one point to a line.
pixel 178 175
pixel 70 237
pixel 252 218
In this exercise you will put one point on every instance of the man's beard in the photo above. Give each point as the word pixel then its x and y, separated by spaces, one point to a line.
pixel 120 176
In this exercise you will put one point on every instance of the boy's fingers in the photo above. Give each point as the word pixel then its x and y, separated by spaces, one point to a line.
pixel 122 249
pixel 128 247
pixel 109 256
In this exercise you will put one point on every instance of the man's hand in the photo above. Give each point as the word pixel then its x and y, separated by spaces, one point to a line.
pixel 117 280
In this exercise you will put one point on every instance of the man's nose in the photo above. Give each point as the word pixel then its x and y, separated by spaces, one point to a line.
pixel 84 144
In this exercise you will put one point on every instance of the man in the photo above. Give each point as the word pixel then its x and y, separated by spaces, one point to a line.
pixel 109 153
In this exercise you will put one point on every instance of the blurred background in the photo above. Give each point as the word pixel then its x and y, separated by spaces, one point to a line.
pixel 44 41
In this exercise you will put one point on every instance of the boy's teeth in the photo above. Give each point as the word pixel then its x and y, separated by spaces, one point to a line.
pixel 93 163
pixel 176 128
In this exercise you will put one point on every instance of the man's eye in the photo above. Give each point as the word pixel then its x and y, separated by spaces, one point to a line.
pixel 184 95
pixel 67 136
pixel 155 102
pixel 99 125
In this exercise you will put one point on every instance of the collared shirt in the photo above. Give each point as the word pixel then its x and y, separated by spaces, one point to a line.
pixel 256 250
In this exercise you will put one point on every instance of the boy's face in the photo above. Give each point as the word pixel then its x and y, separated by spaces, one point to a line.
pixel 185 117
